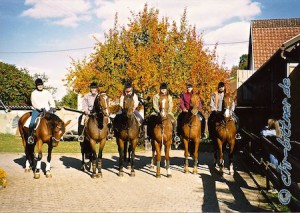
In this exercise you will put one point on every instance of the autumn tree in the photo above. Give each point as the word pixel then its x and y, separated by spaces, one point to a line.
pixel 149 51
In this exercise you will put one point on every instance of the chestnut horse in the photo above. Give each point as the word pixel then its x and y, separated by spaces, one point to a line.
pixel 126 130
pixel 190 130
pixel 50 130
pixel 96 131
pixel 160 130
pixel 225 132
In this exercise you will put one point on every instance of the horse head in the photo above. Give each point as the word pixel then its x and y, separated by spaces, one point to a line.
pixel 194 104
pixel 129 105
pixel 101 105
pixel 57 128
pixel 228 104
pixel 163 105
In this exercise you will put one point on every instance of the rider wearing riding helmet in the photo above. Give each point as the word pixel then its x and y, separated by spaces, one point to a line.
pixel 185 101
pixel 128 90
pixel 87 105
pixel 164 91
pixel 41 100
pixel 216 102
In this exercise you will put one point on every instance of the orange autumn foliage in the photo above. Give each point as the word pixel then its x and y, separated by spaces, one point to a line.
pixel 149 51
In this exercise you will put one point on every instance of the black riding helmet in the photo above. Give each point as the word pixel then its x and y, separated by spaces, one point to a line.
pixel 93 85
pixel 128 85
pixel 38 82
pixel 163 86
pixel 221 84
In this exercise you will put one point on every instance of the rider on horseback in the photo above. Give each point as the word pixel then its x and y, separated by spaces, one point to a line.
pixel 41 100
pixel 164 91
pixel 88 105
pixel 216 103
pixel 128 90
pixel 185 101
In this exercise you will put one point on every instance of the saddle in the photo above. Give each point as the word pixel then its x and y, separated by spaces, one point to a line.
pixel 36 122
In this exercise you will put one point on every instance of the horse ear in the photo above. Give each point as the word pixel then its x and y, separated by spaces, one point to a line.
pixel 67 123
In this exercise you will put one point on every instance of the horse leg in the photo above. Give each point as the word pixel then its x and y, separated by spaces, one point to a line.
pixel 133 146
pixel 39 160
pixel 215 152
pixel 48 166
pixel 101 146
pixel 167 157
pixel 153 154
pixel 197 142
pixel 120 143
pixel 83 166
pixel 158 158
pixel 231 143
pixel 126 151
pixel 94 157
pixel 221 159
pixel 186 155
pixel 29 158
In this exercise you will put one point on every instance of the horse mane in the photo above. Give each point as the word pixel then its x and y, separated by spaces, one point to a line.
pixel 52 117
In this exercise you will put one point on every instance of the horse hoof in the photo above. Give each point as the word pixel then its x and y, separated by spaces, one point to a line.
pixel 195 171
pixel 27 170
pixel 132 174
pixel 152 167
pixel 169 175
pixel 48 175
pixel 186 170
pixel 93 176
pixel 37 175
pixel 121 174
pixel 99 175
pixel 158 176
pixel 83 169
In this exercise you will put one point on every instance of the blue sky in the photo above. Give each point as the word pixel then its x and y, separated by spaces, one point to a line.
pixel 46 25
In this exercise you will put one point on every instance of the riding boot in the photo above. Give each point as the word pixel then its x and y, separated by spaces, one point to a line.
pixel 202 119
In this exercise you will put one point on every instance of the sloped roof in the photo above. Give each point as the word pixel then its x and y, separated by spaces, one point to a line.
pixel 267 36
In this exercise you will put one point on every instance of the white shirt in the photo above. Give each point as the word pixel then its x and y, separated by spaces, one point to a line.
pixel 42 99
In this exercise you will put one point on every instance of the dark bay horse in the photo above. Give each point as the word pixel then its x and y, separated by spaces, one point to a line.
pixel 126 131
pixel 190 130
pixel 96 131
pixel 225 132
pixel 50 130
pixel 160 130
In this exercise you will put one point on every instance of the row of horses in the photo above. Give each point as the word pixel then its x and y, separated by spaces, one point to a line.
pixel 126 128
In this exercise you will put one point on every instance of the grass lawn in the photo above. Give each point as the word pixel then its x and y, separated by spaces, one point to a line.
pixel 13 144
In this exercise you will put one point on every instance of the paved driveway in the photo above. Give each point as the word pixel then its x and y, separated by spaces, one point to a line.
pixel 71 190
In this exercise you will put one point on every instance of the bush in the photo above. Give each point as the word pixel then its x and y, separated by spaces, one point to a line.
pixel 3 175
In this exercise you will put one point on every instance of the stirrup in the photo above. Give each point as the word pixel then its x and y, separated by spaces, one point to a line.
pixel 30 140
pixel 176 141
pixel 81 138
pixel 238 136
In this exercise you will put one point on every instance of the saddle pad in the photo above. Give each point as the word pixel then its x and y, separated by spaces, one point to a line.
pixel 37 122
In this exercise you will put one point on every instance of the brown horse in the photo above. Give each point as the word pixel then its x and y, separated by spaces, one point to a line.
pixel 127 130
pixel 50 130
pixel 190 130
pixel 160 132
pixel 96 131
pixel 225 132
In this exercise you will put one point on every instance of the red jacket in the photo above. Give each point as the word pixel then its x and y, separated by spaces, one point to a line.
pixel 185 101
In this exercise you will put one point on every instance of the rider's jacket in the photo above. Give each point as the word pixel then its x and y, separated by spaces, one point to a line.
pixel 216 102
pixel 185 101
pixel 135 99
pixel 42 99
pixel 88 103
pixel 156 103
